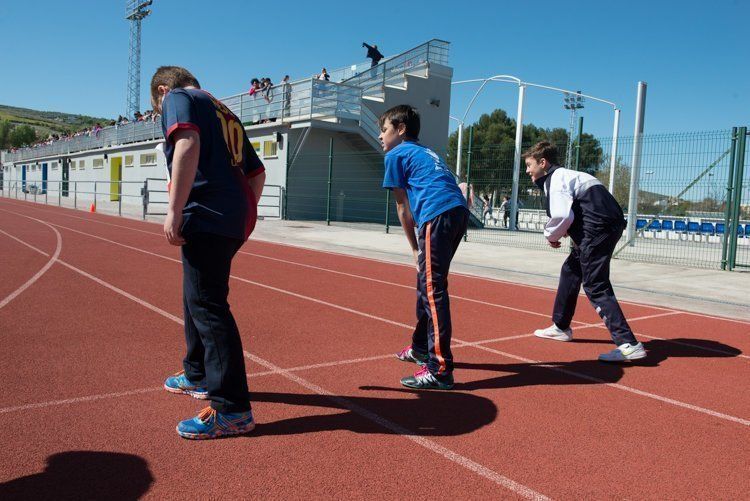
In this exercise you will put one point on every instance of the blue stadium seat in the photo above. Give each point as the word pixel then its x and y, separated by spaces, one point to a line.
pixel 680 226
pixel 654 226
pixel 667 225
pixel 640 223
pixel 693 227
pixel 720 228
pixel 747 229
pixel 707 228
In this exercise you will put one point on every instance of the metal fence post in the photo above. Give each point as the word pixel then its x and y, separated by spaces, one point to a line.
pixel 119 199
pixel 94 195
pixel 387 209
pixel 578 143
pixel 75 194
pixel 728 201
pixel 330 174
pixel 738 174
pixel 144 198
pixel 469 191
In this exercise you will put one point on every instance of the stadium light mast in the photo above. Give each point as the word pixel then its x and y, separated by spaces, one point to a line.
pixel 135 12
pixel 573 102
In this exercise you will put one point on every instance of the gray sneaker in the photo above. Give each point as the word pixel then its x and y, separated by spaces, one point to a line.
pixel 624 352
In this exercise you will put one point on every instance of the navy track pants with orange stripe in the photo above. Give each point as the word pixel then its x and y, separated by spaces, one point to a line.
pixel 438 241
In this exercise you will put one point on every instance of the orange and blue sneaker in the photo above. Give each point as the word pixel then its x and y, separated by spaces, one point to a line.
pixel 409 355
pixel 179 383
pixel 423 379
pixel 210 423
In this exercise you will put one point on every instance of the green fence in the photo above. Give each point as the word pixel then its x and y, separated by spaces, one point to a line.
pixel 693 198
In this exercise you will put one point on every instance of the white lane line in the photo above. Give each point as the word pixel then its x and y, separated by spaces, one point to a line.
pixel 383 261
pixel 450 455
pixel 375 317
pixel 622 387
pixel 426 443
pixel 77 400
pixel 38 274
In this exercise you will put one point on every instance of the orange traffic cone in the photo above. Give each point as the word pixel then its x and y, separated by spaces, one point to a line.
pixel 92 208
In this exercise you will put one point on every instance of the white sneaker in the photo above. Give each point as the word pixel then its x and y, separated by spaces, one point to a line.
pixel 552 332
pixel 624 352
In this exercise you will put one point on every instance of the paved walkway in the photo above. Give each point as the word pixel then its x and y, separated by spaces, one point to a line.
pixel 705 291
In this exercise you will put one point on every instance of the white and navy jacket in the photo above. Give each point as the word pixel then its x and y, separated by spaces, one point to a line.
pixel 578 204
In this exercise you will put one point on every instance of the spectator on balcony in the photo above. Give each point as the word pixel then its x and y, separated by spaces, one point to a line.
pixel 254 91
pixel 373 53
pixel 267 93
pixel 324 75
pixel 286 89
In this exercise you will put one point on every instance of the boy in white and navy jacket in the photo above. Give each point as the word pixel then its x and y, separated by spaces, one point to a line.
pixel 579 206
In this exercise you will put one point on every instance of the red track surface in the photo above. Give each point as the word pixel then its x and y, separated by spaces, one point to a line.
pixel 86 348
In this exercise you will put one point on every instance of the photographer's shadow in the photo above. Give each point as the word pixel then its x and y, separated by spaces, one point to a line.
pixel 83 475
pixel 431 413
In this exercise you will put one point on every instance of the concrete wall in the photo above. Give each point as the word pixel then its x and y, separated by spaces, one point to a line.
pixel 356 193
pixel 420 91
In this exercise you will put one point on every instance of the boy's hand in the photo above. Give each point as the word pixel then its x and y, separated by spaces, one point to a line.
pixel 555 245
pixel 172 225
pixel 416 257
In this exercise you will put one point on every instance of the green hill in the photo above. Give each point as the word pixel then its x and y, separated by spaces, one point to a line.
pixel 48 122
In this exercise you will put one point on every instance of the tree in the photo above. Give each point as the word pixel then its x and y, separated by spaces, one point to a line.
pixel 5 127
pixel 22 135
pixel 493 151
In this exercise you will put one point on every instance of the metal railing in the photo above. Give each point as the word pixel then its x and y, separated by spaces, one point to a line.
pixel 116 197
pixel 391 71
pixel 133 132
pixel 135 198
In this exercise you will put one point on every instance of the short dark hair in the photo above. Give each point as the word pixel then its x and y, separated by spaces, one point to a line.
pixel 542 149
pixel 402 114
pixel 173 77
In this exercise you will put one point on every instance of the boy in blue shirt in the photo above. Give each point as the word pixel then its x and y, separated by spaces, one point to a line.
pixel 428 199
pixel 216 180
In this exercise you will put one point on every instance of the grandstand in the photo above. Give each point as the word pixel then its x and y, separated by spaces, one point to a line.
pixel 292 135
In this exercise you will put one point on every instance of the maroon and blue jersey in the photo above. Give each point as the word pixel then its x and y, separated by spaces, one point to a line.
pixel 220 200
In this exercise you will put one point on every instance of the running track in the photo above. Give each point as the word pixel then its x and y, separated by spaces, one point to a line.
pixel 90 319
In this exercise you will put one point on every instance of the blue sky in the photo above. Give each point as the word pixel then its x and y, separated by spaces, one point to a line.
pixel 72 56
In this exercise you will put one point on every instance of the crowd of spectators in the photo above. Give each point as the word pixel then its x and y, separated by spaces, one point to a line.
pixel 95 130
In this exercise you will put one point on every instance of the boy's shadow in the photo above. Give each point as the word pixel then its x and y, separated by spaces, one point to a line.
pixel 592 371
pixel 431 413
pixel 83 475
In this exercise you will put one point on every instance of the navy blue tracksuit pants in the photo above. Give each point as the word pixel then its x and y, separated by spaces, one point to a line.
pixel 588 263
pixel 438 241
pixel 214 356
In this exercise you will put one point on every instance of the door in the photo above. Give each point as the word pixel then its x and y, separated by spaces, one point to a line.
pixel 115 177
pixel 44 178
pixel 65 177
pixel 23 178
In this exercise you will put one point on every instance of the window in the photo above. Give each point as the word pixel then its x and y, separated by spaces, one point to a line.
pixel 81 164
pixel 98 163
pixel 128 160
pixel 269 149
pixel 256 146
pixel 54 165
pixel 148 159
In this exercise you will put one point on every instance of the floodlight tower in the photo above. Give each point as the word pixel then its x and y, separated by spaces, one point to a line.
pixel 573 102
pixel 135 12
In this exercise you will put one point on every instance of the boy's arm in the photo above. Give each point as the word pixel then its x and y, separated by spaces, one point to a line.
pixel 561 212
pixel 256 185
pixel 184 167
pixel 407 220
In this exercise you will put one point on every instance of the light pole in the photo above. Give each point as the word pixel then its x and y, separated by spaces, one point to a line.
pixel 573 102
pixel 460 143
pixel 519 125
